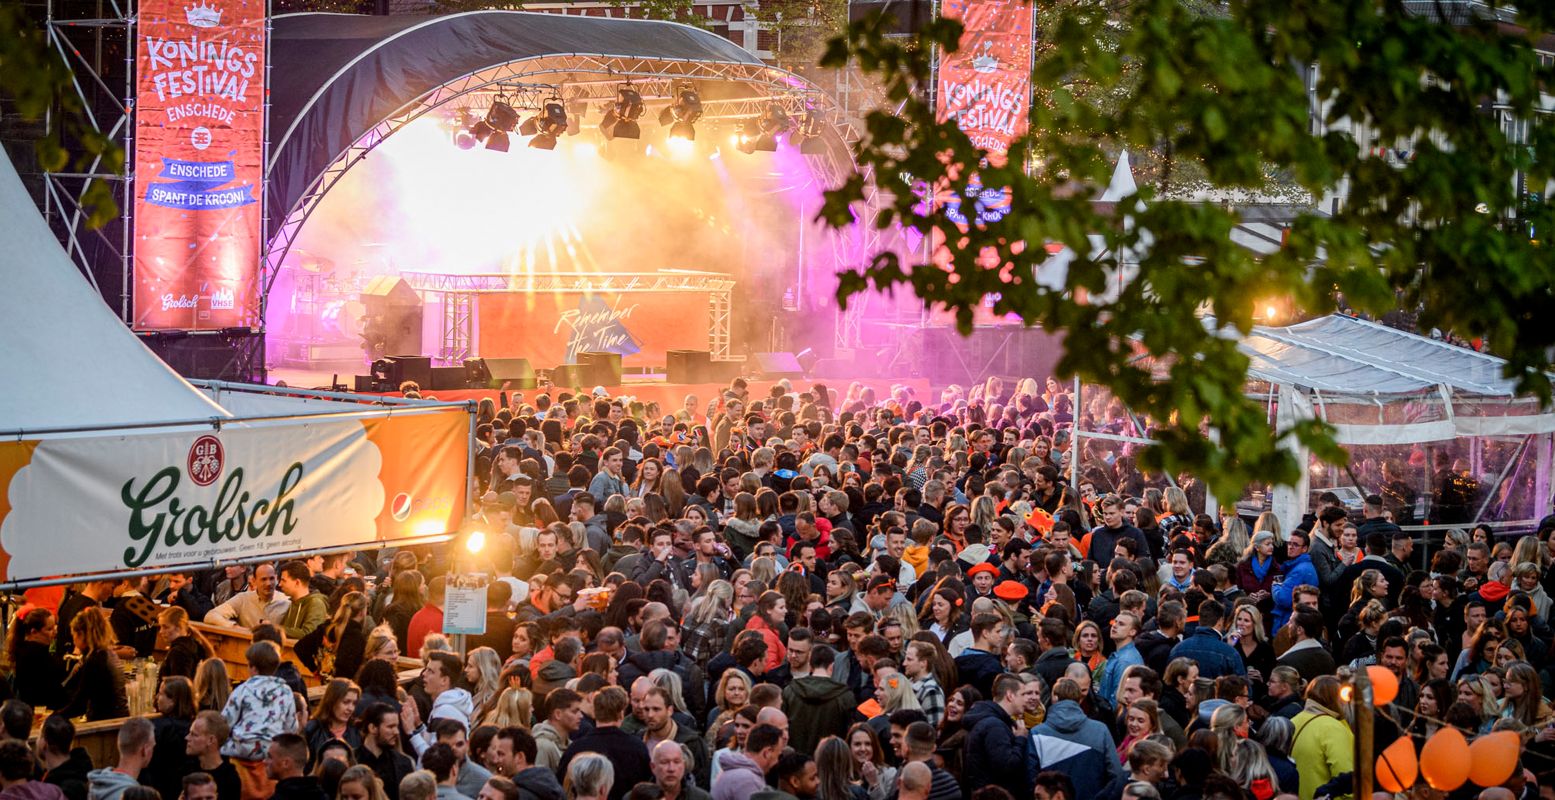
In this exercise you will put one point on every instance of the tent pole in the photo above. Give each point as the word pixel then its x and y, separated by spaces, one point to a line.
pixel 1074 442
pixel 1541 477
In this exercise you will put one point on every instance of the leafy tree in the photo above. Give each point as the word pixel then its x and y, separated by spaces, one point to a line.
pixel 1221 89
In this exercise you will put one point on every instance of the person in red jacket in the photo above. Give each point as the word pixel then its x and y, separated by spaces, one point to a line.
pixel 429 619
pixel 770 611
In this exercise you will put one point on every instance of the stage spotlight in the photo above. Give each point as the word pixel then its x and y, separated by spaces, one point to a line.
pixel 621 119
pixel 680 115
pixel 498 141
pixel 529 128
pixel 549 124
pixel 502 117
pixel 775 121
pixel 744 141
pixel 576 110
pixel 480 130
pixel 465 140
pixel 808 137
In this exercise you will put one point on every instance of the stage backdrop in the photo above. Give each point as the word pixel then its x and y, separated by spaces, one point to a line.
pixel 551 328
pixel 199 161
pixel 71 506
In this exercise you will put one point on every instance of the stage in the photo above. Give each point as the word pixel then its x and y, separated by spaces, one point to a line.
pixel 668 395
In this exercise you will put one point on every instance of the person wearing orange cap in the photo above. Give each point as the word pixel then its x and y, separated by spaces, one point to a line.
pixel 983 576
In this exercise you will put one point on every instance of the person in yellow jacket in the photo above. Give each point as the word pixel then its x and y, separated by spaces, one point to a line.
pixel 1324 746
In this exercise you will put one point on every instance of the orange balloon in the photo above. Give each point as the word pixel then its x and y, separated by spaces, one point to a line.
pixel 1444 760
pixel 1493 757
pixel 1397 767
pixel 1384 684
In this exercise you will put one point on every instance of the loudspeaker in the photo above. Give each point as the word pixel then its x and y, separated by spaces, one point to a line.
pixel 366 384
pixel 688 366
pixel 395 370
pixel 601 369
pixel 448 378
pixel 499 373
pixel 391 322
pixel 775 366
pixel 569 376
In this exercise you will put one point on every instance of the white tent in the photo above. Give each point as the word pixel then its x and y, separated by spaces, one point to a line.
pixel 111 462
pixel 66 358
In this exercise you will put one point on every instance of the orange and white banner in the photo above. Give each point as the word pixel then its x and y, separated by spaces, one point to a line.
pixel 71 506
pixel 986 84
pixel 199 163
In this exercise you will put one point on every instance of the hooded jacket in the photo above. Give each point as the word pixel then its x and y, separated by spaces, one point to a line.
pixel 455 704
pixel 552 675
pixel 109 784
pixel 739 777
pixel 549 745
pixel 32 790
pixel 538 783
pixel 1070 741
pixel 817 707
pixel 71 776
pixel 995 755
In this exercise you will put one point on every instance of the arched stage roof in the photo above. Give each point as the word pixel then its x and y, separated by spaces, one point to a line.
pixel 337 77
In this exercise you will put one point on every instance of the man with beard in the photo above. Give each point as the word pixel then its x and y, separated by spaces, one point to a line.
pixel 511 755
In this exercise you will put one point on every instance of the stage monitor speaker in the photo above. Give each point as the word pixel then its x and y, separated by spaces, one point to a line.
pixel 570 376
pixel 775 366
pixel 688 366
pixel 499 373
pixel 445 378
pixel 366 384
pixel 391 319
pixel 601 369
pixel 395 370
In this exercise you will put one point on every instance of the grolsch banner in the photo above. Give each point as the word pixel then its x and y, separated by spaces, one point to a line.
pixel 70 506
pixel 199 163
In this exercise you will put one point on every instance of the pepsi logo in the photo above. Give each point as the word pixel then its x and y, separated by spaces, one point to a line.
pixel 400 508
pixel 206 459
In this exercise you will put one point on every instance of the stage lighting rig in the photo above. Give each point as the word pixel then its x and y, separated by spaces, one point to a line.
pixel 500 121
pixel 744 138
pixel 808 137
pixel 621 119
pixel 773 123
pixel 548 124
pixel 680 115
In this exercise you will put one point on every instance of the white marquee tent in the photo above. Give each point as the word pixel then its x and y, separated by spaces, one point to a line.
pixel 110 461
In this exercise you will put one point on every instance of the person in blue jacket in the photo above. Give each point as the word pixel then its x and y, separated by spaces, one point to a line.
pixel 1298 571
pixel 996 746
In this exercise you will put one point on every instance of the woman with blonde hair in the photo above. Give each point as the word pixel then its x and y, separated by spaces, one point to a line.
pixel 1178 513
pixel 733 692
pixel 706 629
pixel 895 693
pixel 96 686
pixel 984 512
pixel 1524 697
pixel 360 783
pixel 841 588
pixel 336 647
pixel 514 707
pixel 212 685
pixel 1088 646
pixel 381 645
pixel 1232 546
pixel 186 647
pixel 650 476
pixel 1229 723
pixel 483 674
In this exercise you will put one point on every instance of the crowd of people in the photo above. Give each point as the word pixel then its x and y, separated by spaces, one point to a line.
pixel 800 595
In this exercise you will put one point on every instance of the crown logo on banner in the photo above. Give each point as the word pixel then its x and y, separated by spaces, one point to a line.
pixel 202 15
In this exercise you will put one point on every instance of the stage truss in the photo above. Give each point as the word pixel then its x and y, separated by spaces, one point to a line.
pixel 458 294
pixel 587 81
